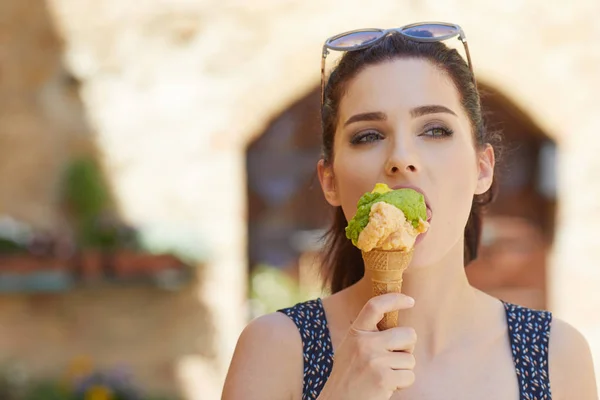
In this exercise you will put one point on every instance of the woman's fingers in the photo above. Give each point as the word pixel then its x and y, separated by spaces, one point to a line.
pixel 400 339
pixel 400 360
pixel 376 308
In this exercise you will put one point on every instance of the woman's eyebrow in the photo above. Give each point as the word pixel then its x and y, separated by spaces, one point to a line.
pixel 414 113
pixel 370 116
pixel 430 109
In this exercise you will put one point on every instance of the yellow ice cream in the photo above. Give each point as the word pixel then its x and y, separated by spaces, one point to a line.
pixel 388 229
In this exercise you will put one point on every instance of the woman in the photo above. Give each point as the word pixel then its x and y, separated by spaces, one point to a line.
pixel 403 109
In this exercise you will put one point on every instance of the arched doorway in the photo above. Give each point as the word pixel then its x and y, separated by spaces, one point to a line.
pixel 287 211
pixel 519 227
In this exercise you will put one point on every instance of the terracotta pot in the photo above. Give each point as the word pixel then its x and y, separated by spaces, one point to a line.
pixel 90 265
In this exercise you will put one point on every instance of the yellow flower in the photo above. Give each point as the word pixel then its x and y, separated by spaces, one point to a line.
pixel 98 392
pixel 79 367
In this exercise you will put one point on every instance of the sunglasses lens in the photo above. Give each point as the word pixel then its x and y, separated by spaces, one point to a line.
pixel 431 31
pixel 355 39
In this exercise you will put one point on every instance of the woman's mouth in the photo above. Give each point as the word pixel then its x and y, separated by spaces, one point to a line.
pixel 418 189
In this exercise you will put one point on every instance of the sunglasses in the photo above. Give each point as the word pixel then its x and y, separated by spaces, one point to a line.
pixel 421 32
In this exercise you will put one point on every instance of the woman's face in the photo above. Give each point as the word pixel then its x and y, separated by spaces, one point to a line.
pixel 401 123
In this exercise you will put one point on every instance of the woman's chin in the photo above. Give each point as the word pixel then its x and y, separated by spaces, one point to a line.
pixel 423 253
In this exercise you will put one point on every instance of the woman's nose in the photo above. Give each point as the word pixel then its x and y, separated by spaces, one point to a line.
pixel 395 169
pixel 402 160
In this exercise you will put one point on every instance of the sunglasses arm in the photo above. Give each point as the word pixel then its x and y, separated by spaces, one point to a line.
pixel 323 57
pixel 469 63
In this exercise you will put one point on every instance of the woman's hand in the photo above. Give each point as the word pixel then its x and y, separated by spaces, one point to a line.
pixel 370 364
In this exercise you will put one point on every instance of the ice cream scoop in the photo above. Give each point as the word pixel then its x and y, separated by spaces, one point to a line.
pixel 385 228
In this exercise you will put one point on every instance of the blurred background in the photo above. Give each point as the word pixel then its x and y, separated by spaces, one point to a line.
pixel 158 188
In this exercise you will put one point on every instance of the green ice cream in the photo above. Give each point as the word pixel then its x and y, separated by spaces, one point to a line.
pixel 409 201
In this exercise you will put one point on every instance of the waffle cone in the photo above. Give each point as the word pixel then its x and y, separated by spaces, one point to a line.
pixel 386 269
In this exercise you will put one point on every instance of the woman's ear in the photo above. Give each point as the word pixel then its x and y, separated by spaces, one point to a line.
pixel 485 165
pixel 327 180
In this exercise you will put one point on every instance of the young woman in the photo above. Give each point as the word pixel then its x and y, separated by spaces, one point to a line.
pixel 403 109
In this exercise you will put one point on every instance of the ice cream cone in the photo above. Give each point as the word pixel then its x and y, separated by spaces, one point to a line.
pixel 386 268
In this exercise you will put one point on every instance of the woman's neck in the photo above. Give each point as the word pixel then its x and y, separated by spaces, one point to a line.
pixel 446 306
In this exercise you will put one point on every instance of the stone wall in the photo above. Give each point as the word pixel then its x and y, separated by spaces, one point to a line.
pixel 152 332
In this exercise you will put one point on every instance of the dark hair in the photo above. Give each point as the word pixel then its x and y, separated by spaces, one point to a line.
pixel 342 261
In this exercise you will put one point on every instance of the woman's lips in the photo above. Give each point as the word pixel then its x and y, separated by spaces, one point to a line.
pixel 429 214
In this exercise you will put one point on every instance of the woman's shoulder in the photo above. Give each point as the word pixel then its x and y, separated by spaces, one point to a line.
pixel 570 363
pixel 274 326
pixel 271 333
pixel 566 340
pixel 267 362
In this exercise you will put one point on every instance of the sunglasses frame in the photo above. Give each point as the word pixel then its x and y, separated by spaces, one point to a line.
pixel 384 32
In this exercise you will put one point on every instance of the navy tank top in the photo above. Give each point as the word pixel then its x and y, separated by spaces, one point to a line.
pixel 529 333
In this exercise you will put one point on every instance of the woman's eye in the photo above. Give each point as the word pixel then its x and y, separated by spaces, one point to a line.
pixel 437 132
pixel 366 137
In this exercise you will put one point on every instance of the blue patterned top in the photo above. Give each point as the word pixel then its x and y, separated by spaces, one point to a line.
pixel 529 333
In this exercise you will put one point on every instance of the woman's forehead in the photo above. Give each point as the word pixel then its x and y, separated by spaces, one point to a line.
pixel 399 86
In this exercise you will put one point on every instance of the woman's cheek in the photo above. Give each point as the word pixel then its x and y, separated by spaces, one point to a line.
pixel 353 182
